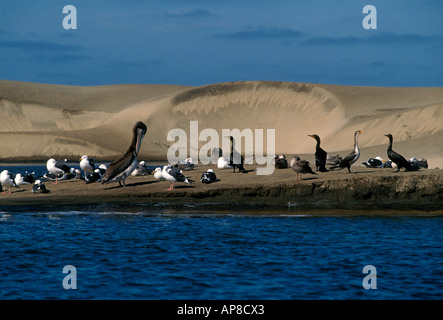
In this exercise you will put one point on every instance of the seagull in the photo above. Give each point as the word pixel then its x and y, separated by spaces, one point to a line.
pixel 121 168
pixel 58 168
pixel 39 187
pixel 174 175
pixel 208 177
pixel 87 164
pixel 26 178
pixel 141 170
pixel 95 176
pixel 280 161
pixel 7 181
pixel 300 166
pixel 158 174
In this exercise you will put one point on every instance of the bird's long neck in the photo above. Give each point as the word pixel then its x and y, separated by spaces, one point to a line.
pixel 356 149
pixel 318 142
pixel 390 144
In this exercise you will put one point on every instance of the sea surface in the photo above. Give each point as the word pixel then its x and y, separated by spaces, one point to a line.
pixel 190 253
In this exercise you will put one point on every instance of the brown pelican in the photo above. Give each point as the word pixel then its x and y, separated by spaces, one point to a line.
pixel 397 158
pixel 320 155
pixel 121 168
pixel 351 158
pixel 300 166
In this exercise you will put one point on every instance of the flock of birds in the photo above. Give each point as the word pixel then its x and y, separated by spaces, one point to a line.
pixel 322 159
pixel 127 165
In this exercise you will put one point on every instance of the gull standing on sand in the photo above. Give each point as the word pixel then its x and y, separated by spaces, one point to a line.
pixel 300 166
pixel 121 168
pixel 87 164
pixel 57 168
pixel 351 158
pixel 174 175
pixel 7 181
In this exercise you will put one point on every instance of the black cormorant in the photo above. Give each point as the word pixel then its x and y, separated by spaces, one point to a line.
pixel 320 155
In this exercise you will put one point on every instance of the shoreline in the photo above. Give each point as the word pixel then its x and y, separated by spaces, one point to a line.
pixel 366 189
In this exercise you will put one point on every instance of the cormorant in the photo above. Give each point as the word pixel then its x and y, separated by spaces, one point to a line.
pixel 236 156
pixel 351 158
pixel 397 158
pixel 320 155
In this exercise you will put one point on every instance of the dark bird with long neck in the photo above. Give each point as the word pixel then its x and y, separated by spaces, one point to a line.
pixel 235 156
pixel 121 168
pixel 397 158
pixel 320 155
pixel 351 158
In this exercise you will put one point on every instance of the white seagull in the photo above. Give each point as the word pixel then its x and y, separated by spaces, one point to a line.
pixel 173 175
pixel 58 168
pixel 87 164
pixel 7 181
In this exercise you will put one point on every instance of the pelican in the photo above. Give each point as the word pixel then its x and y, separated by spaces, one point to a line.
pixel 351 158
pixel 121 168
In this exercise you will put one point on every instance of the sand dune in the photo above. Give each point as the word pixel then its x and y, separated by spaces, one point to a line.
pixel 41 121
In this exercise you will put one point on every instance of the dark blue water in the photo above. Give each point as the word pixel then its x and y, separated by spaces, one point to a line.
pixel 198 254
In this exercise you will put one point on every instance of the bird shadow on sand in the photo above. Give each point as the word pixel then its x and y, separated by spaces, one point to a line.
pixel 183 187
pixel 135 184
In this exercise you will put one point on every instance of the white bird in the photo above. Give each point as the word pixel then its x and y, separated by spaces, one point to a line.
pixel 27 178
pixel 223 163
pixel 95 176
pixel 141 170
pixel 58 168
pixel 7 181
pixel 102 168
pixel 158 173
pixel 174 175
pixel 87 164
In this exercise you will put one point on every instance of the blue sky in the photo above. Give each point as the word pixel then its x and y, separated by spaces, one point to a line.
pixel 198 42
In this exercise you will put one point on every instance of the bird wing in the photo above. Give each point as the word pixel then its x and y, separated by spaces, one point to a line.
pixel 118 166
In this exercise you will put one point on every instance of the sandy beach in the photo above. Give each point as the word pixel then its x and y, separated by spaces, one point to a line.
pixel 41 121
pixel 364 189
